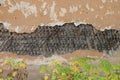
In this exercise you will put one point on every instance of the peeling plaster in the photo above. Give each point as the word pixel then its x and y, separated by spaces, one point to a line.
pixel 101 7
pixel 6 25
pixel 2 1
pixel 106 28
pixel 104 1
pixel 53 14
pixel 62 12
pixel 87 6
pixel 26 13
pixel 73 9
pixel 109 12
pixel 17 29
pixel 44 5
pixel 25 8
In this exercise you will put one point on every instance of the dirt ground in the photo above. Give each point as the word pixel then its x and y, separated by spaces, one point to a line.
pixel 34 62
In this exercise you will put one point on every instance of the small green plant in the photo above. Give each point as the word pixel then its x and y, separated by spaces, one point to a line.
pixel 43 69
pixel 9 78
pixel 12 68
pixel 81 69
pixel 14 64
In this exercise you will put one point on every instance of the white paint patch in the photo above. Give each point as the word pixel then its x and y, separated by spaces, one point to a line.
pixel 53 14
pixel 60 23
pixel 101 7
pixel 9 3
pixel 17 29
pixel 44 5
pixel 45 12
pixel 87 6
pixel 43 8
pixel 103 1
pixel 33 28
pixel 109 12
pixel 102 29
pixel 106 28
pixel 62 12
pixel 6 25
pixel 42 24
pixel 2 1
pixel 46 61
pixel 78 23
pixel 73 9
pixel 55 23
pixel 25 8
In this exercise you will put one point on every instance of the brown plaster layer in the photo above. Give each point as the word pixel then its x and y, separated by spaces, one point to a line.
pixel 25 15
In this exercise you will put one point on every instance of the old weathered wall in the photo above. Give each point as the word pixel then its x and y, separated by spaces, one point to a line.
pixel 25 15
pixel 63 39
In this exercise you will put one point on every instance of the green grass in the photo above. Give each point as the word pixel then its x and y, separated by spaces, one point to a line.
pixel 81 69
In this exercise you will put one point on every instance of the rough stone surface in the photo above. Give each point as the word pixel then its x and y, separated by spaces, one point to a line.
pixel 48 40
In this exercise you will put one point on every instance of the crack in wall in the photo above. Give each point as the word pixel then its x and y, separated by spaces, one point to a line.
pixel 49 40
